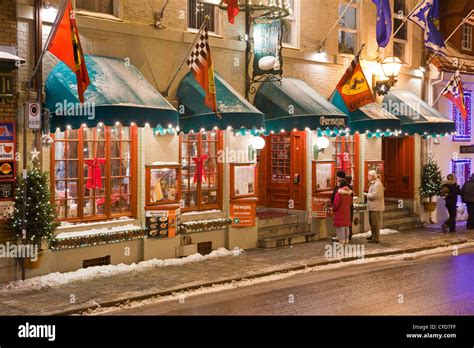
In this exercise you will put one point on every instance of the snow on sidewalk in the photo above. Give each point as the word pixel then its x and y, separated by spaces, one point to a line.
pixel 57 279
pixel 368 234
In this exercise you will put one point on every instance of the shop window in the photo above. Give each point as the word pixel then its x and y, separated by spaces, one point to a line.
pixel 197 11
pixel 400 40
pixel 99 6
pixel 93 173
pixel 463 126
pixel 346 155
pixel 201 186
pixel 291 25
pixel 467 37
pixel 462 169
pixel 281 155
pixel 348 27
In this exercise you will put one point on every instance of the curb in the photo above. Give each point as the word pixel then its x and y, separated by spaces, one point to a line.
pixel 169 292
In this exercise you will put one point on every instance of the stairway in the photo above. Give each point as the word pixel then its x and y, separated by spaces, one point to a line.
pixel 278 228
pixel 400 219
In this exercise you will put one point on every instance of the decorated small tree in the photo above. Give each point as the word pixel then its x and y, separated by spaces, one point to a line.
pixel 431 182
pixel 35 207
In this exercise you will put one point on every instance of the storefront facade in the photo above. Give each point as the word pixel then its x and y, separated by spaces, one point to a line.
pixel 136 146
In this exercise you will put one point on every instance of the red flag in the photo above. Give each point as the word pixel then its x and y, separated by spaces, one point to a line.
pixel 354 88
pixel 200 63
pixel 65 44
pixel 232 9
pixel 454 92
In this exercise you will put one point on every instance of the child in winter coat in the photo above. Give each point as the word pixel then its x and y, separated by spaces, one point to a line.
pixel 342 212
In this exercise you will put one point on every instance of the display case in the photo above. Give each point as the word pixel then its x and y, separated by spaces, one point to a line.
pixel 163 184
pixel 324 177
pixel 378 166
pixel 243 180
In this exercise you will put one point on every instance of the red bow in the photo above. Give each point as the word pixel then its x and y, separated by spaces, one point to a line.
pixel 344 160
pixel 94 173
pixel 200 173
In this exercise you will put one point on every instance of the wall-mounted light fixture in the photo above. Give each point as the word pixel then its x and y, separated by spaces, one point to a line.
pixel 321 144
pixel 391 67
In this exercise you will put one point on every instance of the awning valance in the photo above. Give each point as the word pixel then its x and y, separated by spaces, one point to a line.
pixel 416 116
pixel 118 93
pixel 236 112
pixel 294 105
pixel 371 118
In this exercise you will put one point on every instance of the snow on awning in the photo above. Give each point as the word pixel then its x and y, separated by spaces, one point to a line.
pixel 118 93
pixel 236 112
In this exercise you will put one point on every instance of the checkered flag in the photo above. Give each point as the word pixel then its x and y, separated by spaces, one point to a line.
pixel 200 64
pixel 454 92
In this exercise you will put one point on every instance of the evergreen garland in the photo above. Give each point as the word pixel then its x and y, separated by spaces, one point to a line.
pixel 431 179
pixel 40 213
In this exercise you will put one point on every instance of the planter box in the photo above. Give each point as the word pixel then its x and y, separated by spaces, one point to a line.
pixel 186 250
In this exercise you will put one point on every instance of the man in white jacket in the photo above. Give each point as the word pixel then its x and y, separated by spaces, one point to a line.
pixel 375 205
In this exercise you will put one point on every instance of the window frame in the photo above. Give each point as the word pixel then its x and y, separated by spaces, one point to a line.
pixel 409 28
pixel 295 25
pixel 81 180
pixel 117 10
pixel 466 37
pixel 357 6
pixel 218 21
pixel 220 173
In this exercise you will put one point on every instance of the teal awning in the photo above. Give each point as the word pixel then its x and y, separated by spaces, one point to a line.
pixel 417 116
pixel 236 112
pixel 370 118
pixel 294 105
pixel 118 93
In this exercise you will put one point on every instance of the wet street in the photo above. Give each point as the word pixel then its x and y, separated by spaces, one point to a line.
pixel 440 284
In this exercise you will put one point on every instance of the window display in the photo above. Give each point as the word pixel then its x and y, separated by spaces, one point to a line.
pixel 243 179
pixel 323 176
pixel 162 184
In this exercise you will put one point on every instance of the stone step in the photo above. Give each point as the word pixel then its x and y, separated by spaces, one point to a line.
pixel 282 230
pixel 278 221
pixel 277 242
pixel 394 214
pixel 406 226
pixel 399 221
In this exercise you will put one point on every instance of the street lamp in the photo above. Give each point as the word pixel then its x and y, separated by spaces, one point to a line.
pixel 391 67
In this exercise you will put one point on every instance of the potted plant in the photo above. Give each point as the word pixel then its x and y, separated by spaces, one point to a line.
pixel 35 207
pixel 431 183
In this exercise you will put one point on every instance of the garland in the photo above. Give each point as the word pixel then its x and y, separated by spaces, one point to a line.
pixel 96 239
pixel 203 226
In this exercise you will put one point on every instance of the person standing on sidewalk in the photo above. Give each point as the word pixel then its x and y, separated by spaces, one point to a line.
pixel 375 205
pixel 451 190
pixel 340 175
pixel 342 212
pixel 467 194
pixel 349 181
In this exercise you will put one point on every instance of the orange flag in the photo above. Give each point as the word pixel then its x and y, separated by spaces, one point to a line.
pixel 65 44
pixel 354 88
pixel 200 63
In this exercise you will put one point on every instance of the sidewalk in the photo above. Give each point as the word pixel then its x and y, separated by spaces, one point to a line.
pixel 163 281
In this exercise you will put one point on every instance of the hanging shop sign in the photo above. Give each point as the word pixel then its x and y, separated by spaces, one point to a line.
pixel 267 38
pixel 321 207
pixel 243 214
pixel 162 223
pixel 34 115
pixel 7 168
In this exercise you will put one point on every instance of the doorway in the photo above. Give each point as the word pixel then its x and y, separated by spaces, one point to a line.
pixel 282 168
pixel 398 155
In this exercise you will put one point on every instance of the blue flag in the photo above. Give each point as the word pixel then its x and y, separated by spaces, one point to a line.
pixel 384 22
pixel 423 16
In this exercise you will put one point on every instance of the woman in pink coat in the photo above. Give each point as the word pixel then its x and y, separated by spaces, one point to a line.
pixel 342 212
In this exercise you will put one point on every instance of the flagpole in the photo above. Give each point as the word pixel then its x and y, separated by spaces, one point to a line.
pixel 166 91
pixel 441 94
pixel 48 41
pixel 450 36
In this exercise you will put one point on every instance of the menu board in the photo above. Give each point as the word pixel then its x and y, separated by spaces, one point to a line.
pixel 243 214
pixel 7 168
pixel 162 223
pixel 323 176
pixel 244 180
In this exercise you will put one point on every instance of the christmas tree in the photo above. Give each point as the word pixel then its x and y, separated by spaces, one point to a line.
pixel 431 180
pixel 35 207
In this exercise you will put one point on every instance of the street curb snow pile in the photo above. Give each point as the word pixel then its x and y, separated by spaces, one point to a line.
pixel 57 279
pixel 382 233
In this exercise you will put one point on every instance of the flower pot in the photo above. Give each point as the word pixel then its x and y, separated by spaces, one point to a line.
pixel 430 206
pixel 29 264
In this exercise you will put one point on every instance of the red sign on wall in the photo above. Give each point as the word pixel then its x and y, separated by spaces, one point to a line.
pixel 243 214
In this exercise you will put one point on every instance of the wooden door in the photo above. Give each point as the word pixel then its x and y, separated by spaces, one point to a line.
pixel 398 154
pixel 285 167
